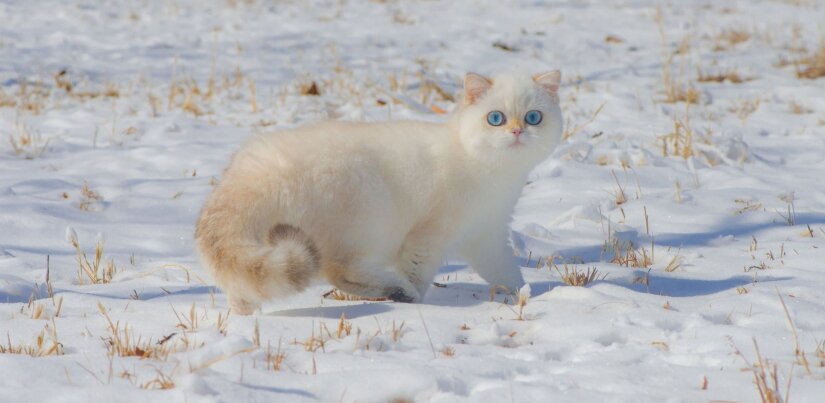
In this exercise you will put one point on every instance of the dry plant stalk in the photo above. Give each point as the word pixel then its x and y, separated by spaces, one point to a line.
pixel 88 197
pixel 26 142
pixel 121 342
pixel 680 141
pixel 46 344
pixel 730 38
pixel 630 257
pixel 274 361
pixel 339 295
pixel 674 89
pixel 188 322
pixel 572 131
pixel 93 270
pixel 811 66
pixel 574 277
pixel 448 351
pixel 766 378
pixel 223 322
pixel 745 108
pixel 344 327
pixel 798 352
pixel 729 75
pixel 161 381
pixel 314 342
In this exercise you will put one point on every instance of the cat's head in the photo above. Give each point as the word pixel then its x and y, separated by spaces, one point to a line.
pixel 511 118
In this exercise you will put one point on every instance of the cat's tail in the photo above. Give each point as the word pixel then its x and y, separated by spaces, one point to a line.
pixel 251 268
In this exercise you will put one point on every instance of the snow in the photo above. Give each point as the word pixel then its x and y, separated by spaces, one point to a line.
pixel 742 221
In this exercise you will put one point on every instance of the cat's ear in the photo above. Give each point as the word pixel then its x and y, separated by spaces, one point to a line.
pixel 475 85
pixel 550 81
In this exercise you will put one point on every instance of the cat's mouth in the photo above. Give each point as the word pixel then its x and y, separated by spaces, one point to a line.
pixel 516 143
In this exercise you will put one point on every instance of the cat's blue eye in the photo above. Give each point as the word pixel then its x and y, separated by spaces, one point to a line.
pixel 533 117
pixel 496 118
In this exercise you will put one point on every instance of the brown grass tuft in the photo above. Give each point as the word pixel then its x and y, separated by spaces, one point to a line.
pixel 730 38
pixel 93 271
pixel 730 75
pixel 46 344
pixel 120 342
pixel 310 88
pixel 766 377
pixel 798 109
pixel 339 295
pixel 613 39
pixel 628 256
pixel 811 66
pixel 89 198
pixel 26 142
pixel 274 361
pixel 574 277
pixel 160 381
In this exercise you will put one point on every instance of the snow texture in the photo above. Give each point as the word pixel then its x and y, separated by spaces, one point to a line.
pixel 117 118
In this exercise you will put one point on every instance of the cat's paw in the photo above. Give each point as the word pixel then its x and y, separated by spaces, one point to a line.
pixel 399 294
pixel 241 306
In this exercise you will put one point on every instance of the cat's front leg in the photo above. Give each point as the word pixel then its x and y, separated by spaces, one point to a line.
pixel 419 261
pixel 492 258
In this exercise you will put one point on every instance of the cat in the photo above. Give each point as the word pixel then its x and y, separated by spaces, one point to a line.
pixel 375 207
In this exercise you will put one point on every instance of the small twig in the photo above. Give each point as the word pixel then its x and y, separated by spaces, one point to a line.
pixel 432 347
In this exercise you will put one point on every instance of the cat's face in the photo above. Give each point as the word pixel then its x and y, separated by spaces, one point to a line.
pixel 513 118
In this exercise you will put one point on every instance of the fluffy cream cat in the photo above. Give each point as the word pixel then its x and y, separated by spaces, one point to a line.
pixel 374 207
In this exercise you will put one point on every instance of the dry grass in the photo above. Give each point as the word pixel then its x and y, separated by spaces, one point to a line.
pixel 46 344
pixel 676 91
pixel 189 96
pixel 339 295
pixel 26 142
pixel 92 271
pixel 189 321
pixel 766 377
pixel 730 75
pixel 730 38
pixel 798 109
pixel 745 107
pixel 619 195
pixel 160 381
pixel 747 205
pixel 31 97
pixel 674 264
pixel 570 130
pixel 89 199
pixel 625 254
pixel 811 66
pixel 675 88
pixel 819 352
pixel 309 89
pixel 799 353
pixel 448 351
pixel 274 360
pixel 121 342
pixel 574 277
pixel 685 142
pixel 344 327
pixel 613 39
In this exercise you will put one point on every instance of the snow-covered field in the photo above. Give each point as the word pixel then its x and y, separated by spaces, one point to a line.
pixel 117 118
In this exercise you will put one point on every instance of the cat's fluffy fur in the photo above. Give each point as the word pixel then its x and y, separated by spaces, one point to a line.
pixel 374 207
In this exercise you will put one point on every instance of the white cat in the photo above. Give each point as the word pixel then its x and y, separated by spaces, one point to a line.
pixel 374 207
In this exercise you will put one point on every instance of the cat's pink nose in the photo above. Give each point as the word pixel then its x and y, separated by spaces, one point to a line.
pixel 516 131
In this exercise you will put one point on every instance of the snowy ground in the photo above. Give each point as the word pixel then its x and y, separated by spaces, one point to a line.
pixel 155 96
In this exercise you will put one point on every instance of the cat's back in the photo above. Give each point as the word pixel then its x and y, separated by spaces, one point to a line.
pixel 360 133
pixel 328 141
